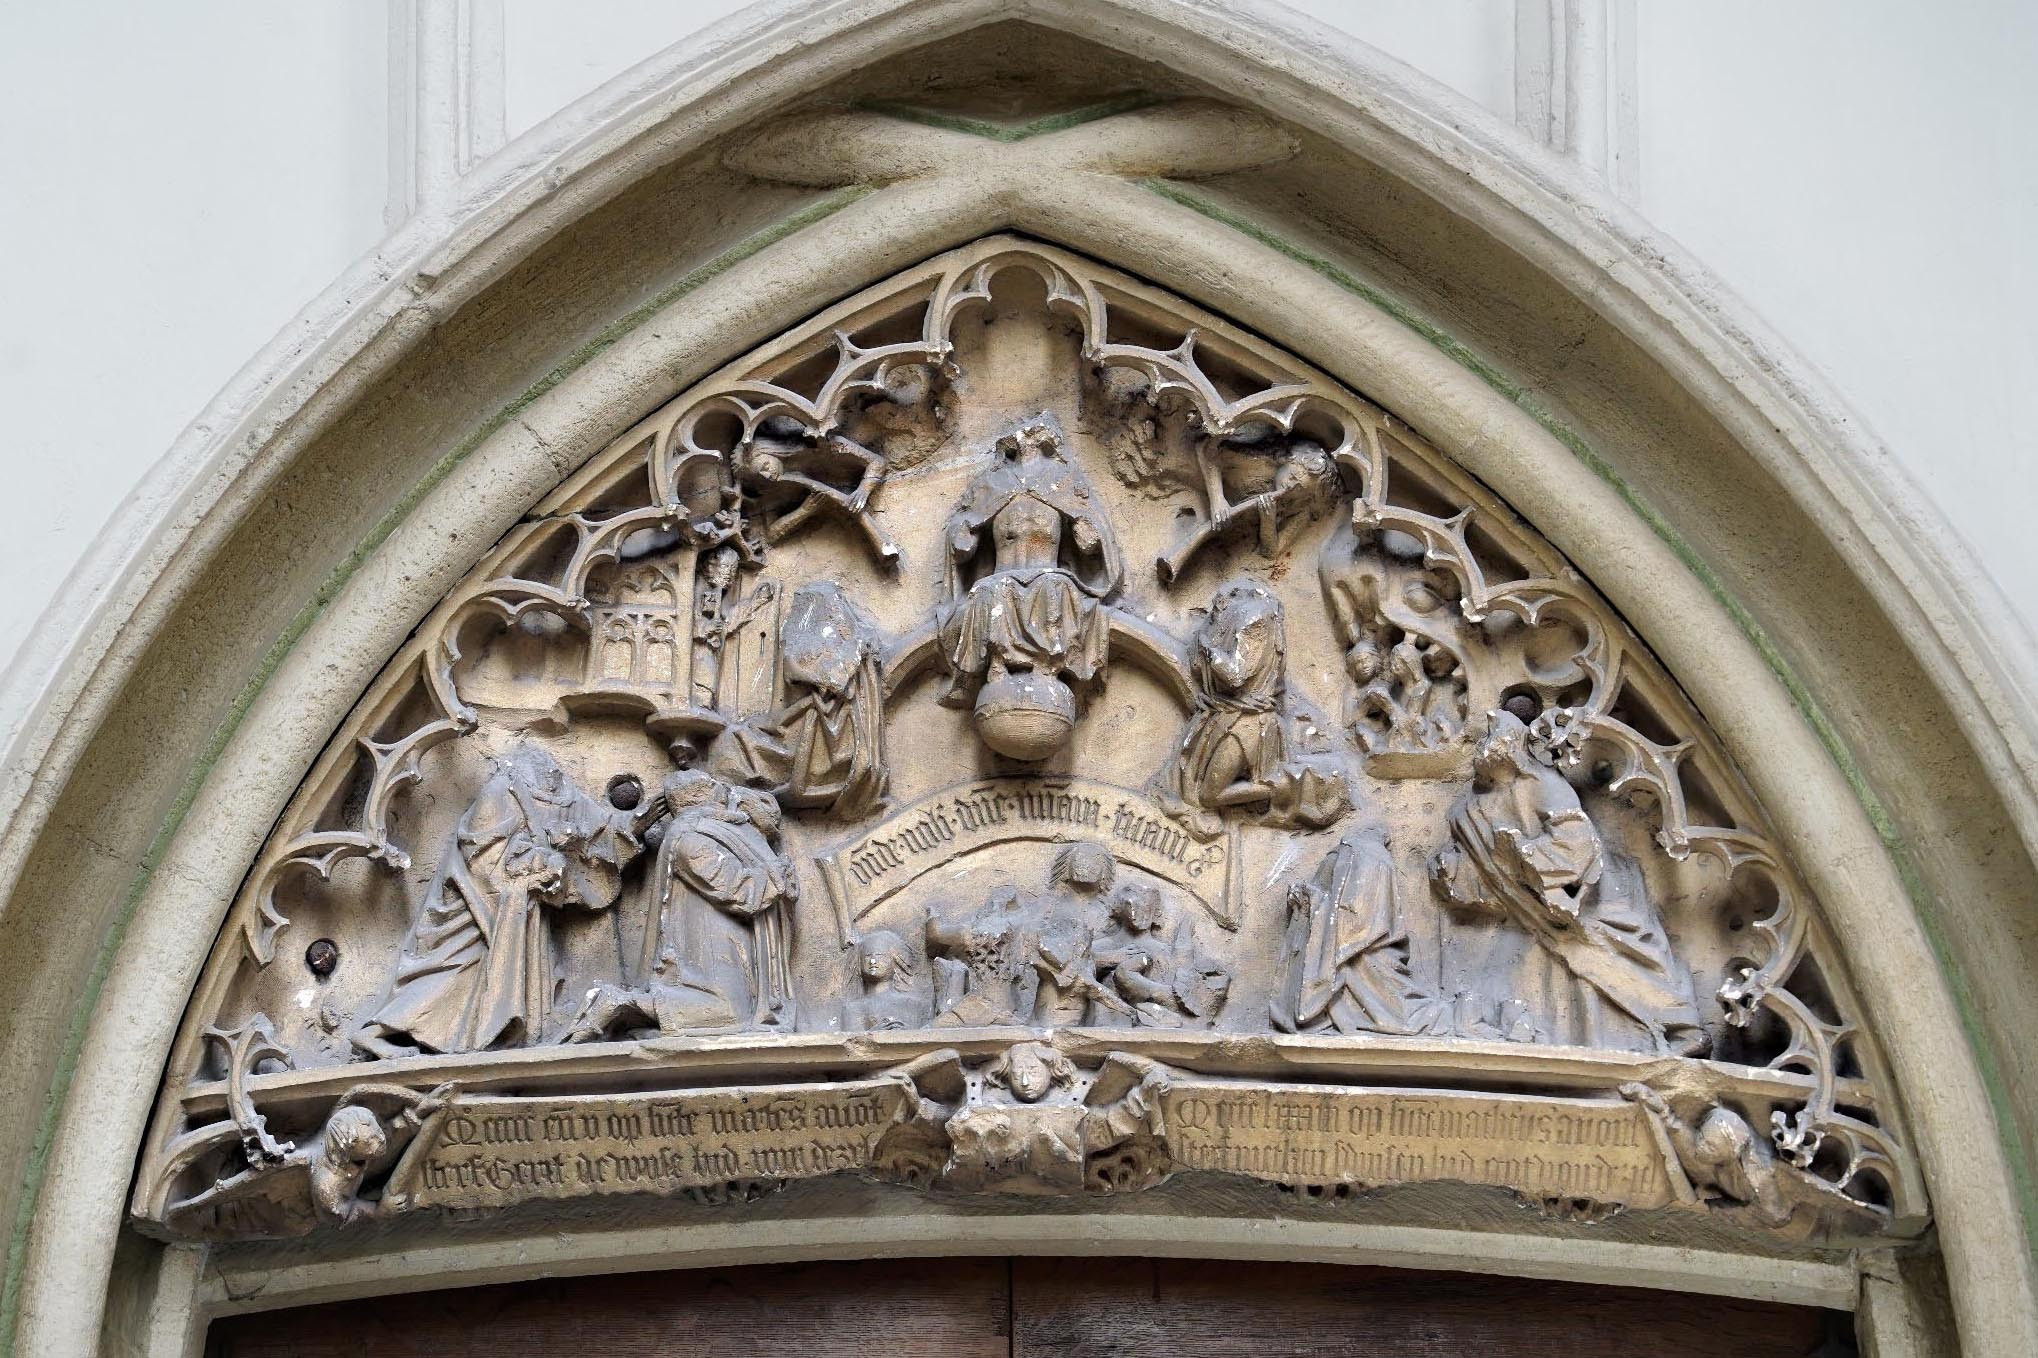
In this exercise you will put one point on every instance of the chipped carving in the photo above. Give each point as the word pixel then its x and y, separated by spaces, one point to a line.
pixel 718 955
pixel 475 970
pixel 1250 749
pixel 937 847
pixel 1346 950
pixel 1031 560
pixel 1598 970
pixel 824 747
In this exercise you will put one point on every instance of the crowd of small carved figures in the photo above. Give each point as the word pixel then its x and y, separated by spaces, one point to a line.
pixel 955 803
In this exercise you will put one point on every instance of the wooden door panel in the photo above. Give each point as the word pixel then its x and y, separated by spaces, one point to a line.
pixel 1039 1308
pixel 913 1308
pixel 1189 1308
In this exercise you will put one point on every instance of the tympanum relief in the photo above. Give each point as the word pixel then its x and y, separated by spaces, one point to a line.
pixel 1018 734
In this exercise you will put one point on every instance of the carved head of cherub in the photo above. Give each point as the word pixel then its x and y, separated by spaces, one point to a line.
pixel 1030 1071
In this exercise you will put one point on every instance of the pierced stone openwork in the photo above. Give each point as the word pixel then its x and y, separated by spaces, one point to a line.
pixel 1018 734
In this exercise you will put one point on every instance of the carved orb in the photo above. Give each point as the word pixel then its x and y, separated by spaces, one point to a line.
pixel 1026 716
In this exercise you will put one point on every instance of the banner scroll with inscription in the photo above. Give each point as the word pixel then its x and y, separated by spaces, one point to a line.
pixel 494 1152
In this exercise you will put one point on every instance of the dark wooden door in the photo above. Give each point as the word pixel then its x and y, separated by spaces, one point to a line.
pixel 1068 1308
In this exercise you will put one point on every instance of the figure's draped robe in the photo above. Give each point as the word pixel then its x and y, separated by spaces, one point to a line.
pixel 720 955
pixel 476 969
pixel 1347 951
pixel 825 747
pixel 1046 618
pixel 830 735
pixel 1608 979
pixel 1250 707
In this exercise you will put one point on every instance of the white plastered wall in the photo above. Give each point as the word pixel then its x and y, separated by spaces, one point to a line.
pixel 1434 414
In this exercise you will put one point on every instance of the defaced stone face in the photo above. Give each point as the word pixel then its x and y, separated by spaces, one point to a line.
pixel 1018 734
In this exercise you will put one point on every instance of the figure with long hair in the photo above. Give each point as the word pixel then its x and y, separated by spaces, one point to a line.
pixel 1522 851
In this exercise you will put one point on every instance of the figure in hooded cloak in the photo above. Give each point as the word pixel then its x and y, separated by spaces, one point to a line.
pixel 1347 952
pixel 825 748
pixel 476 969
pixel 1244 750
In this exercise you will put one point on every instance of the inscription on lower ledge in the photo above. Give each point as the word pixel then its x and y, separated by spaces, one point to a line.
pixel 492 1152
pixel 1027 1119
pixel 1320 1137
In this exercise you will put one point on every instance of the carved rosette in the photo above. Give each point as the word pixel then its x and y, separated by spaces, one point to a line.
pixel 1019 734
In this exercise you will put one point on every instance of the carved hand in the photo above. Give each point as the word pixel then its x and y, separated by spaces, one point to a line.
pixel 1637 1092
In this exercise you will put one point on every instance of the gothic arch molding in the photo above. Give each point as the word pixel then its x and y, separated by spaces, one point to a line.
pixel 918 212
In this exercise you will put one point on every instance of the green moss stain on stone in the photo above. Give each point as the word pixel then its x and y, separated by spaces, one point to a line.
pixel 286 641
pixel 1924 903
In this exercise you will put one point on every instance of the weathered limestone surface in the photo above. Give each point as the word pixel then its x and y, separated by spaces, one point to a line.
pixel 1622 403
pixel 942 672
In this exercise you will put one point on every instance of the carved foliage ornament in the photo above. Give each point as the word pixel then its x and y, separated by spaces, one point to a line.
pixel 1002 696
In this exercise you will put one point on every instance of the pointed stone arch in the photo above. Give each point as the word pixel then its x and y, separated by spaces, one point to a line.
pixel 1710 602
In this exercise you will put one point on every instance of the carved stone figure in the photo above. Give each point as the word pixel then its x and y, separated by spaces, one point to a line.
pixel 476 969
pixel 318 1182
pixel 1254 482
pixel 893 997
pixel 1722 1156
pixel 1408 683
pixel 1346 950
pixel 1026 957
pixel 1068 916
pixel 720 610
pixel 1407 699
pixel 1024 1133
pixel 788 478
pixel 719 955
pixel 825 747
pixel 1031 558
pixel 1600 971
pixel 721 583
pixel 1146 959
pixel 1245 752
pixel 1738 1171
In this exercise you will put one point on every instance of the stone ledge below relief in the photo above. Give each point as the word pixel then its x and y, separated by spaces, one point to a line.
pixel 1024 1119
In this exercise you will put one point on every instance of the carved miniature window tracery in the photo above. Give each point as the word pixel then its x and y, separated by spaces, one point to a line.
pixel 952 678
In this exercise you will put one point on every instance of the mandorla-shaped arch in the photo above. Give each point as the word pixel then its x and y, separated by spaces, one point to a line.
pixel 1852 741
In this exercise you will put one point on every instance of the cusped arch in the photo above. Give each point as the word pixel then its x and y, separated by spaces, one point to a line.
pixel 864 235
pixel 665 493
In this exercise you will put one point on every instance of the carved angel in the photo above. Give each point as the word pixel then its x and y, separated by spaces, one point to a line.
pixel 787 477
